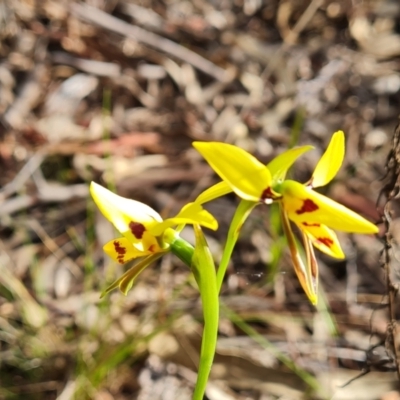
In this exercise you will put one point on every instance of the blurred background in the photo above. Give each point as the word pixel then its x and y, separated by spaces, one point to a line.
pixel 116 91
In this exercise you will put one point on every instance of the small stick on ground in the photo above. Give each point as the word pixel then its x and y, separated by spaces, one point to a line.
pixel 106 21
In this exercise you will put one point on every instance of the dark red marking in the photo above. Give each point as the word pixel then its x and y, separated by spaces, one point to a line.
pixel 314 224
pixel 137 229
pixel 326 241
pixel 120 250
pixel 152 248
pixel 308 206
pixel 267 194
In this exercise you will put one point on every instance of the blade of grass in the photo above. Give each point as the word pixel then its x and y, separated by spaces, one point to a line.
pixel 109 358
pixel 266 344
pixel 296 127
pixel 324 309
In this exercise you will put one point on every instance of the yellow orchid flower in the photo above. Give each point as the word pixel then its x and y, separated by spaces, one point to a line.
pixel 145 233
pixel 142 227
pixel 314 214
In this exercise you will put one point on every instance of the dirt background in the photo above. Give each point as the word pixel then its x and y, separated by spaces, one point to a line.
pixel 116 91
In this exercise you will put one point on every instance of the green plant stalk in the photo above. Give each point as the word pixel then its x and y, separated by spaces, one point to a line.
pixel 204 272
pixel 241 214
pixel 180 247
pixel 202 265
pixel 279 242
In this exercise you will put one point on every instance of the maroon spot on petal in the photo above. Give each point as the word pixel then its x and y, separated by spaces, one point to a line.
pixel 308 206
pixel 152 248
pixel 137 229
pixel 308 224
pixel 120 250
pixel 328 242
pixel 267 194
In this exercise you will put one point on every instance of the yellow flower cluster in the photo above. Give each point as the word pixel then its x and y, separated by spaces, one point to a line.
pixel 145 233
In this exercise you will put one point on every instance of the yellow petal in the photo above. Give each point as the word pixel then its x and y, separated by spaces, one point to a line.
pixel 331 161
pixel 215 191
pixel 247 177
pixel 323 238
pixel 307 274
pixel 303 205
pixel 132 218
pixel 122 251
pixel 279 166
pixel 192 213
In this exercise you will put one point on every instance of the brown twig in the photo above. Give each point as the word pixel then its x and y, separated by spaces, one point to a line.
pixel 99 68
pixel 291 37
pixel 111 23
pixel 47 194
pixel 23 175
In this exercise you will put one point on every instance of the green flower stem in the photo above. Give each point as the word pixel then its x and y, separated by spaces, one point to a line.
pixel 200 260
pixel 241 214
pixel 180 247
pixel 204 272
